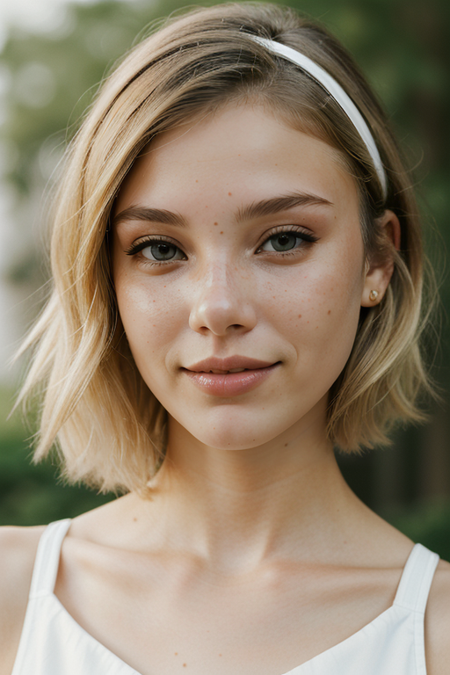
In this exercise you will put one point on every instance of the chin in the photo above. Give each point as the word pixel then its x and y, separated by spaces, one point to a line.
pixel 226 431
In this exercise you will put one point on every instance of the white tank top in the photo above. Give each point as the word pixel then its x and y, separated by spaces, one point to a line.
pixel 53 643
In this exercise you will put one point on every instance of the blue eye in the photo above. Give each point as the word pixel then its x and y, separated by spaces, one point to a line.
pixel 286 241
pixel 157 250
pixel 161 251
pixel 283 242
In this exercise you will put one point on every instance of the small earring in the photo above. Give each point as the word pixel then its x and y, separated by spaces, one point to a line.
pixel 373 295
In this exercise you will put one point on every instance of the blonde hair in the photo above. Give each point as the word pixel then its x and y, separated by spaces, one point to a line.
pixel 110 429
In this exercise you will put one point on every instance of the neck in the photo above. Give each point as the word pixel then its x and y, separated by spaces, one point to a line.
pixel 238 508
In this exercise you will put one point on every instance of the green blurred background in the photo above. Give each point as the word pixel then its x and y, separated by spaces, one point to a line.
pixel 48 78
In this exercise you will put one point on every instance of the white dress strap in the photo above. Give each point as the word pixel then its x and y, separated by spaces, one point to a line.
pixel 415 584
pixel 47 558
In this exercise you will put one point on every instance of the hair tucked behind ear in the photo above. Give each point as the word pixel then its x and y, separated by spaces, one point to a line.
pixel 385 373
pixel 109 427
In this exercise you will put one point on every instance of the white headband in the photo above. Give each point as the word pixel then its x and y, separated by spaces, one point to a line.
pixel 332 87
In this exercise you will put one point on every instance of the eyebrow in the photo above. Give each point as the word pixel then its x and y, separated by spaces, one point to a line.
pixel 269 207
pixel 264 207
pixel 153 215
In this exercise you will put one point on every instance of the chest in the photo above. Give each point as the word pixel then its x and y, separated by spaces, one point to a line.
pixel 164 617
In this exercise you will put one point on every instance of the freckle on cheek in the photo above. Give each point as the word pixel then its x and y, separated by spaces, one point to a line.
pixel 299 316
pixel 329 311
pixel 229 194
pixel 216 223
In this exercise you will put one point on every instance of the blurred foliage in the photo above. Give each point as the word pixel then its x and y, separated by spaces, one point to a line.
pixel 32 495
pixel 49 80
pixel 427 523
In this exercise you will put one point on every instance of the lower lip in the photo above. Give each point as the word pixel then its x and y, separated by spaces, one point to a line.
pixel 230 384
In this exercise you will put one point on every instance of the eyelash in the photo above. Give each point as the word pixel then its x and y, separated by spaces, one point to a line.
pixel 281 229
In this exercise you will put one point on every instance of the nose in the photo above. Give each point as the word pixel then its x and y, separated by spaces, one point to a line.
pixel 221 302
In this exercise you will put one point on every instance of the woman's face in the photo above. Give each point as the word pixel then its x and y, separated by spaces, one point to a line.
pixel 238 236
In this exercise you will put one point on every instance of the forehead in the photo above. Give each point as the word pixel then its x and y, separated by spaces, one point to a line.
pixel 241 151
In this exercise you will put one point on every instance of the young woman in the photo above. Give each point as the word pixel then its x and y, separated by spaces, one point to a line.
pixel 237 284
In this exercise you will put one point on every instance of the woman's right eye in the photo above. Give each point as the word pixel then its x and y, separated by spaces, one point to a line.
pixel 157 251
pixel 162 251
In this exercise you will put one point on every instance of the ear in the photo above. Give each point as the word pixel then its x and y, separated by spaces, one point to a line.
pixel 380 267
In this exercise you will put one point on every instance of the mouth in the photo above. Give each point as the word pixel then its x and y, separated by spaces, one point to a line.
pixel 230 364
pixel 229 381
pixel 216 371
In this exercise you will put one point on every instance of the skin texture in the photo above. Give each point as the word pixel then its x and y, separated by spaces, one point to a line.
pixel 301 309
pixel 253 554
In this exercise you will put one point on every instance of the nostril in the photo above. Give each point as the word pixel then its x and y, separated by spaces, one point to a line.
pixel 219 314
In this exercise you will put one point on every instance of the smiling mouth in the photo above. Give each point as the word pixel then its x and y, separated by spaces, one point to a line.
pixel 231 371
pixel 228 365
pixel 232 382
pixel 225 372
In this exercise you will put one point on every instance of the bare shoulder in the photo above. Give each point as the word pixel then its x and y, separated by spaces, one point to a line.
pixel 437 622
pixel 17 553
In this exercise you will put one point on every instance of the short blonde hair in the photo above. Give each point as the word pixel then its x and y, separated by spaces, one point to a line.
pixel 109 428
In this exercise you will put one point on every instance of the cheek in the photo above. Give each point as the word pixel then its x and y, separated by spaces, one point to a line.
pixel 151 318
pixel 318 313
pixel 312 301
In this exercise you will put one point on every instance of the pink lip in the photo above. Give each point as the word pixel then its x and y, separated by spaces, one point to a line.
pixel 229 363
pixel 229 384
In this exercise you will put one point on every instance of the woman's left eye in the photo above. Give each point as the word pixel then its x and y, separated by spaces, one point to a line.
pixel 286 241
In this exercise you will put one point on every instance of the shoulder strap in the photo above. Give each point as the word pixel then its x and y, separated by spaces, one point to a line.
pixel 47 558
pixel 416 579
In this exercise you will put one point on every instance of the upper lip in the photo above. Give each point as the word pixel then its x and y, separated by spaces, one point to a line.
pixel 229 363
